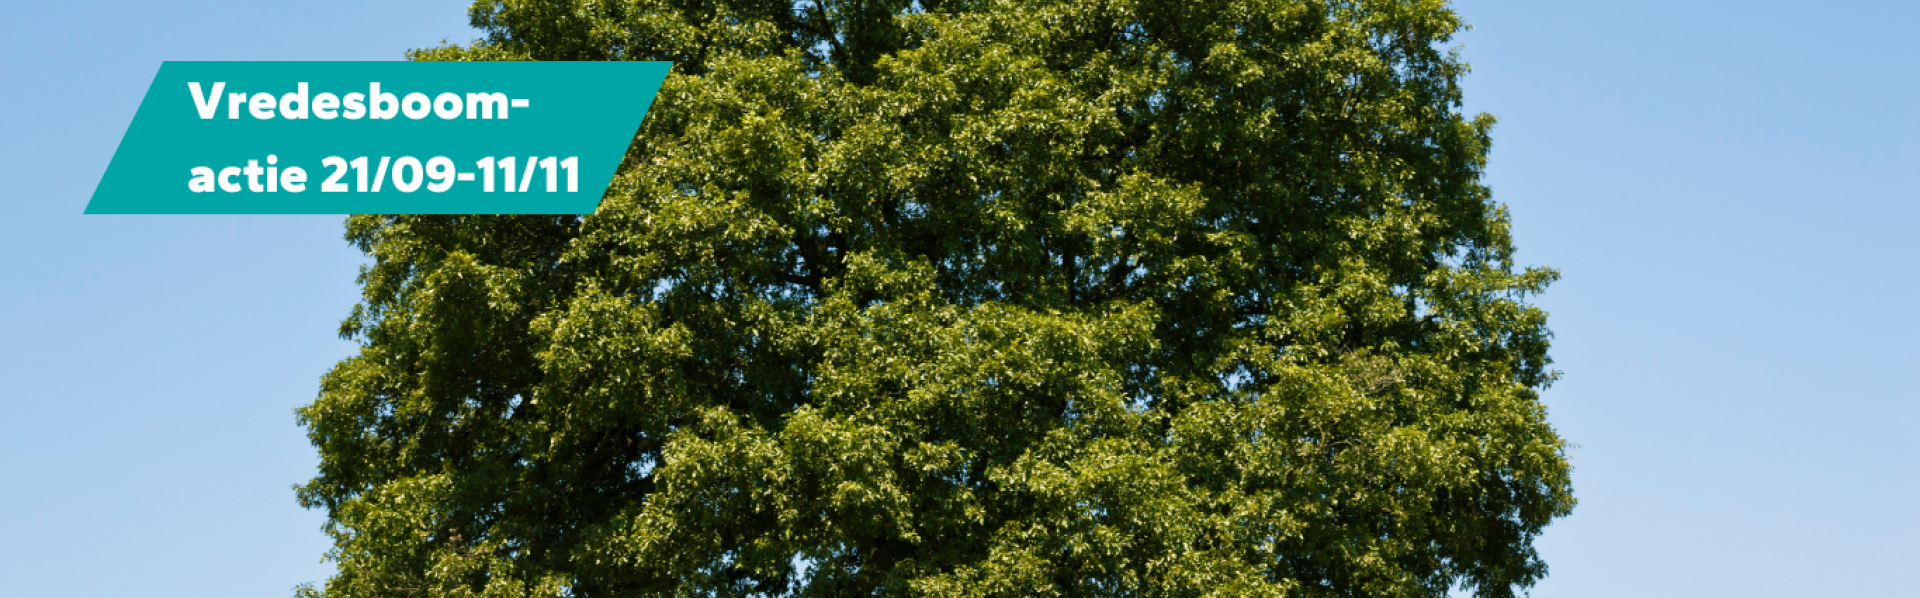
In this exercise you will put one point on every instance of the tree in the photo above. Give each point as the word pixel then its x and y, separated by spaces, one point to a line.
pixel 964 298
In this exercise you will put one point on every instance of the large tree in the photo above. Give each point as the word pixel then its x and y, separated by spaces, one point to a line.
pixel 964 298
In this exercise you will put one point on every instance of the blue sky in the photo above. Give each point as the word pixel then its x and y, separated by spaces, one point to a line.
pixel 1728 187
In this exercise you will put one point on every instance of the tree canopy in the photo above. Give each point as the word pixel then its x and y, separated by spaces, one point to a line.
pixel 963 298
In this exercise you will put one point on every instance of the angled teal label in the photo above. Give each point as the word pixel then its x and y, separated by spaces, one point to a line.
pixel 378 137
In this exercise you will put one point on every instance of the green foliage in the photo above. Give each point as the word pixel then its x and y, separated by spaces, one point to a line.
pixel 964 298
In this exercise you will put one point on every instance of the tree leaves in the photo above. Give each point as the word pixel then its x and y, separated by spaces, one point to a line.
pixel 964 299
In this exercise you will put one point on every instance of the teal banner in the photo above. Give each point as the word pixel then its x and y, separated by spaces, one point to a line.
pixel 378 137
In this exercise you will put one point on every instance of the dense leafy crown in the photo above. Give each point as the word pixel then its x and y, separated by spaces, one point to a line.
pixel 963 298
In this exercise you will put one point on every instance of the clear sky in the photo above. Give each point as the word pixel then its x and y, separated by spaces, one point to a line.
pixel 1729 188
